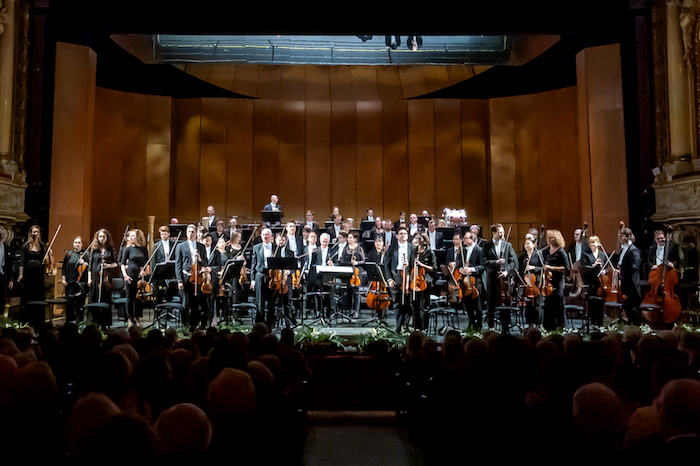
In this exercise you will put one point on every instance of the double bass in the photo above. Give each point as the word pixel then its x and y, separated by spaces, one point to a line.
pixel 662 279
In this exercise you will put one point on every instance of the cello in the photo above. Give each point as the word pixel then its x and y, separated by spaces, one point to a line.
pixel 378 296
pixel 662 297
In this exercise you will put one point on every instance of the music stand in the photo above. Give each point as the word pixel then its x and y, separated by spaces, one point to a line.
pixel 336 277
pixel 231 271
pixel 312 277
pixel 366 225
pixel 377 272
pixel 178 229
pixel 271 217
pixel 281 263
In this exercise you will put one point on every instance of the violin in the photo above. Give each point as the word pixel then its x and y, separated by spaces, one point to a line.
pixel 663 279
pixel 469 281
pixel 355 279
pixel 503 297
pixel 200 278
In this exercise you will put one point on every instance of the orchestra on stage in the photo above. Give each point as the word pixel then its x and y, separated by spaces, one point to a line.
pixel 308 272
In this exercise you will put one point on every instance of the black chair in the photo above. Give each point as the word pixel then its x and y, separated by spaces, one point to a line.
pixel 119 297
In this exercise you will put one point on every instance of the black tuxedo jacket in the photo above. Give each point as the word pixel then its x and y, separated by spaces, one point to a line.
pixel 317 257
pixel 490 258
pixel 672 255
pixel 394 259
pixel 439 239
pixel 160 252
pixel 629 271
pixel 183 260
pixel 257 264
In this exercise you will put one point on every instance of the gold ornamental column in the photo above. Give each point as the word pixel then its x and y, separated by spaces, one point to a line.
pixel 7 67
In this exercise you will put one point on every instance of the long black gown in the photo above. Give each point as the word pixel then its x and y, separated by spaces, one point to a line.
pixel 33 288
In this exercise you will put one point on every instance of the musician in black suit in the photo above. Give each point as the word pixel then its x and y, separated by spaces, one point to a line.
pixel 578 247
pixel 656 253
pixel 500 260
pixel 334 230
pixel 164 247
pixel 397 224
pixel 211 216
pixel 437 241
pixel 453 251
pixel 260 282
pixel 629 264
pixel 389 235
pixel 186 254
pixel 555 261
pixel 309 221
pixel 471 254
pixel 370 215
pixel 220 232
pixel 399 258
pixel 273 205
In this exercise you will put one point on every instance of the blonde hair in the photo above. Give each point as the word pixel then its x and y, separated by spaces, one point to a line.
pixel 558 237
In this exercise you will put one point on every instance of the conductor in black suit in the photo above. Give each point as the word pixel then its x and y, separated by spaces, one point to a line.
pixel 186 254
pixel 260 283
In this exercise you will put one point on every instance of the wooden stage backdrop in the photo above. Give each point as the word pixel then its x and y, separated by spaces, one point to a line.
pixel 515 160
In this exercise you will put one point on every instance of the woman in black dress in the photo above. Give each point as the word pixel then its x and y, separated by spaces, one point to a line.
pixel 75 287
pixel 593 262
pixel 354 255
pixel 31 276
pixel 556 261
pixel 102 267
pixel 425 259
pixel 133 268
pixel 531 264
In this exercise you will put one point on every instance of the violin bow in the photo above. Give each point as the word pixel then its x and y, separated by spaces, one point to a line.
pixel 170 254
pixel 51 244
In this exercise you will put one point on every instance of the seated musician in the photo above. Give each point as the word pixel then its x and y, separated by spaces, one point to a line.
pixel 369 216
pixel 655 257
pixel 354 255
